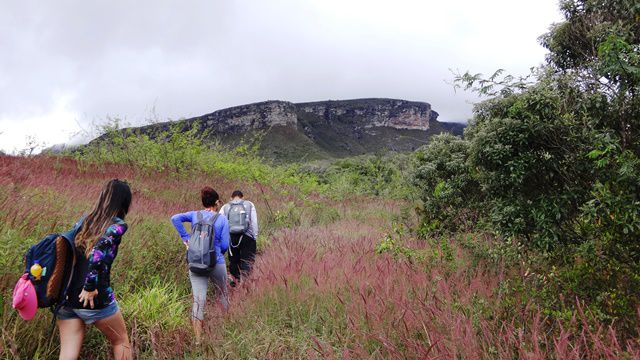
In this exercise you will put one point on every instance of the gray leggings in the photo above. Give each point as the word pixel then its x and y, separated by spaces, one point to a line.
pixel 199 285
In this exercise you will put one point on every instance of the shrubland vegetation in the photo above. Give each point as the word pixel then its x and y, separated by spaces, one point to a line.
pixel 519 240
pixel 45 193
pixel 550 163
pixel 181 151
pixel 331 279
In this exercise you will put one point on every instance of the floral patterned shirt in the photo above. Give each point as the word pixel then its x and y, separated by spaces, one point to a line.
pixel 95 270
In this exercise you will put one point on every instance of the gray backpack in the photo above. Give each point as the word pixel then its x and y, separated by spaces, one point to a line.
pixel 201 254
pixel 238 215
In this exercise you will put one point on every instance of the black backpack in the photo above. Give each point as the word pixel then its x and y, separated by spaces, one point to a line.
pixel 201 254
pixel 55 258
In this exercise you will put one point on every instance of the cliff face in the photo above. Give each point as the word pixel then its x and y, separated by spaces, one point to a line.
pixel 253 116
pixel 323 129
pixel 362 113
pixel 398 114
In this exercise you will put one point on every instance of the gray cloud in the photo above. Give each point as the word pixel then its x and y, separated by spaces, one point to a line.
pixel 69 62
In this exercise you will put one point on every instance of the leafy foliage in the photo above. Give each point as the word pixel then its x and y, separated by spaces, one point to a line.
pixel 446 186
pixel 178 149
pixel 529 159
pixel 555 157
pixel 377 175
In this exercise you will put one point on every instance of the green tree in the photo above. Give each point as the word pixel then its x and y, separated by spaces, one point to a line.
pixel 445 184
pixel 556 156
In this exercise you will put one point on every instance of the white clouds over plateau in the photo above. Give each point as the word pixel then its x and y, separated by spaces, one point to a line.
pixel 66 63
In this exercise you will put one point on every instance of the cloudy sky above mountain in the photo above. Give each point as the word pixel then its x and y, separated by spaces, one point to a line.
pixel 68 65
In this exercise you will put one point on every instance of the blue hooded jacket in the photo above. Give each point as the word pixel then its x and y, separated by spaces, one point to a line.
pixel 221 228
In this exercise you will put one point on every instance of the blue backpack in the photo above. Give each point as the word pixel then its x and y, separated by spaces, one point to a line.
pixel 49 264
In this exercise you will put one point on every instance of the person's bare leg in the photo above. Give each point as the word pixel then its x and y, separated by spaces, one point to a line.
pixel 71 337
pixel 197 329
pixel 115 330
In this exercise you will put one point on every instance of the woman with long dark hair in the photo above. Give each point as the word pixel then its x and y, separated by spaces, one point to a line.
pixel 90 298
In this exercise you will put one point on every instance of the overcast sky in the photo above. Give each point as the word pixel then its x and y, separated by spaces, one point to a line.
pixel 65 65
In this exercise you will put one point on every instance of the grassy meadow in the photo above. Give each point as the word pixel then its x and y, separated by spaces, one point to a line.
pixel 335 278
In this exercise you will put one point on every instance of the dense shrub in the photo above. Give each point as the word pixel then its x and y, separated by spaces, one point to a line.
pixel 556 161
pixel 529 160
pixel 376 175
pixel 446 186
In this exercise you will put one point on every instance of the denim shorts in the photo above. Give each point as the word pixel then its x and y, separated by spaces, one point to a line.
pixel 87 315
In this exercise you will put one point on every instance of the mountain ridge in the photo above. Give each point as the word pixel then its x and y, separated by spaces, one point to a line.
pixel 320 129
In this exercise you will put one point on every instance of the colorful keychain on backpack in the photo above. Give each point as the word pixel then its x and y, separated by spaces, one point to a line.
pixel 36 270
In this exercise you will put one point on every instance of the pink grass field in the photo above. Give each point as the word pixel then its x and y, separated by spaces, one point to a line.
pixel 319 290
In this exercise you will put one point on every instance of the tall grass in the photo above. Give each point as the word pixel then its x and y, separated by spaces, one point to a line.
pixel 319 289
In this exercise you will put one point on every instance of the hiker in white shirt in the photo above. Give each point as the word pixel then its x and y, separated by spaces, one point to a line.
pixel 243 229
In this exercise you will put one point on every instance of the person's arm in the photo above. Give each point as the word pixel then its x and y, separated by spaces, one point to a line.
pixel 223 210
pixel 177 221
pixel 100 258
pixel 254 221
pixel 224 235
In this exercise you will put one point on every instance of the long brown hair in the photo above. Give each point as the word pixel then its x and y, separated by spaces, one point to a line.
pixel 114 200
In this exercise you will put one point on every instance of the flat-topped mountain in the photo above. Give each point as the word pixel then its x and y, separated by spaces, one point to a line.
pixel 322 129
pixel 368 113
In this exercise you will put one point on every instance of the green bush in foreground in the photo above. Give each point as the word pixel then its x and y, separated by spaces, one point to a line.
pixel 445 184
pixel 555 162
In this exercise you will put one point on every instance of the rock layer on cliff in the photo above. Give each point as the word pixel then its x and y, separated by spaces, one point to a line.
pixel 399 114
pixel 323 129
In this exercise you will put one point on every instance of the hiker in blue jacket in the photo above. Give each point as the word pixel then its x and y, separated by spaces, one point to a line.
pixel 218 271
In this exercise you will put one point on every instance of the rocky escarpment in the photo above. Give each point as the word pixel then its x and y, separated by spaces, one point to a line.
pixel 362 113
pixel 253 116
pixel 398 114
pixel 318 130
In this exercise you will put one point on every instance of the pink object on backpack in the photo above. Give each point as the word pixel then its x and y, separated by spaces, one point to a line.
pixel 25 300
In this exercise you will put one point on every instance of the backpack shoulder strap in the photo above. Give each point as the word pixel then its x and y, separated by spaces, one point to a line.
pixel 248 206
pixel 199 217
pixel 70 235
pixel 211 220
pixel 215 217
pixel 213 228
